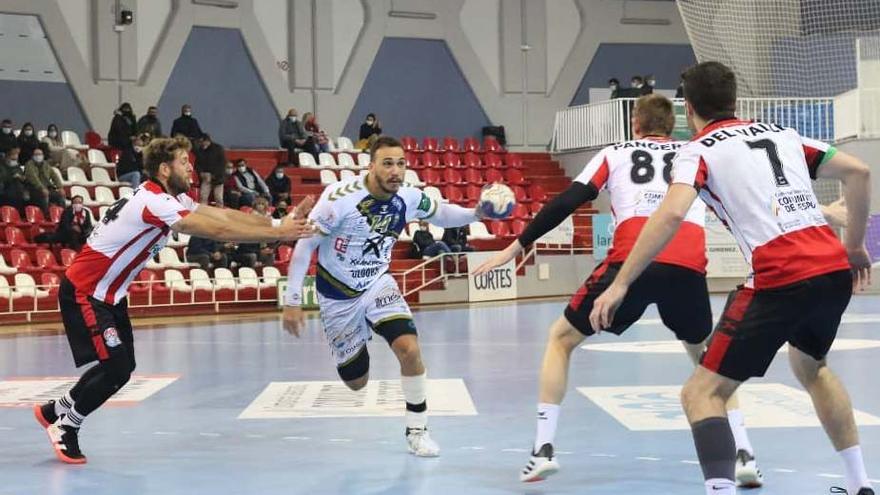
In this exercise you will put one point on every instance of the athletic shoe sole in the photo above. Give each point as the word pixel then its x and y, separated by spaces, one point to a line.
pixel 749 480
pixel 59 453
pixel 38 414
pixel 541 473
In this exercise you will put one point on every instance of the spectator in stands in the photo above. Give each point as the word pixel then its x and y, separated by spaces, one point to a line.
pixel 130 167
pixel 279 185
pixel 59 155
pixel 256 255
pixel 369 132
pixel 7 137
pixel 13 189
pixel 73 228
pixel 280 210
pixel 613 85
pixel 44 185
pixel 314 131
pixel 679 91
pixel 123 127
pixel 210 164
pixel 231 194
pixel 456 239
pixel 27 143
pixel 208 253
pixel 650 81
pixel 293 136
pixel 424 245
pixel 149 123
pixel 637 82
pixel 187 125
pixel 249 184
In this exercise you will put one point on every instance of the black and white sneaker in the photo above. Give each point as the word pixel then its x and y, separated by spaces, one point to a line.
pixel 541 465
pixel 45 413
pixel 747 473
pixel 842 491
pixel 65 442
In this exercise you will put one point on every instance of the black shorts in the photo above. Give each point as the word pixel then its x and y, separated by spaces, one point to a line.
pixel 756 323
pixel 95 330
pixel 680 293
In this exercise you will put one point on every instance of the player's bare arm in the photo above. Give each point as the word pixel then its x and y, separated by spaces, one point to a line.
pixel 292 317
pixel 854 175
pixel 205 225
pixel 656 234
pixel 237 216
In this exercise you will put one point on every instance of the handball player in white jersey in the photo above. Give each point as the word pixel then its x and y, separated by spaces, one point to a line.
pixel 94 289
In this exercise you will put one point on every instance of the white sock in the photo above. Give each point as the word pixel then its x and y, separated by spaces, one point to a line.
pixel 72 418
pixel 63 404
pixel 720 486
pixel 548 416
pixel 415 392
pixel 738 426
pixel 856 477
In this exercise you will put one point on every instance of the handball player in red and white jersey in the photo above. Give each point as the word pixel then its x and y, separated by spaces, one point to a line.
pixel 757 178
pixel 93 291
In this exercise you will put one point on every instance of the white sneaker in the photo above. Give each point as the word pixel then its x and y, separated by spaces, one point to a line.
pixel 420 443
pixel 541 465
pixel 747 473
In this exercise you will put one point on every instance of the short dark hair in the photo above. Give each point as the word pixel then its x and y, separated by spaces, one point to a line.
pixel 75 198
pixel 383 142
pixel 633 78
pixel 6 121
pixel 240 161
pixel 655 114
pixel 710 88
pixel 163 150
pixel 613 80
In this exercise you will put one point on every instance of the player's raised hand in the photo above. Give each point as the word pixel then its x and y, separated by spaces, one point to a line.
pixel 292 228
pixel 499 259
pixel 605 306
pixel 860 261
pixel 304 207
pixel 293 319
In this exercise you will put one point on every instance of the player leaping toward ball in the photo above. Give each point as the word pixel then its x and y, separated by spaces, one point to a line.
pixel 93 293
pixel 756 176
pixel 636 174
pixel 359 221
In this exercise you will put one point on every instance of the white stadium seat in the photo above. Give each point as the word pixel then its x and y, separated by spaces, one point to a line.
pixel 223 279
pixel 345 160
pixel 178 239
pixel 168 259
pixel 410 177
pixel 6 269
pixel 344 144
pixel 77 176
pixel 104 196
pixel 125 192
pixel 328 177
pixel 5 291
pixel 363 160
pixel 200 280
pixel 70 138
pixel 247 277
pixel 82 191
pixel 346 174
pixel 101 177
pixel 270 276
pixel 306 160
pixel 479 232
pixel 41 134
pixel 26 286
pixel 174 280
pixel 326 160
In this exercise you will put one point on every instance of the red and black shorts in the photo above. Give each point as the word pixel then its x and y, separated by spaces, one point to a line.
pixel 681 296
pixel 95 330
pixel 756 323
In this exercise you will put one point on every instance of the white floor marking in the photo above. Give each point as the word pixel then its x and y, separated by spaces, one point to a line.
pixel 827 475
pixel 649 459
pixel 297 438
pixel 516 450
pixel 340 440
pixel 697 463
pixel 783 470
pixel 208 434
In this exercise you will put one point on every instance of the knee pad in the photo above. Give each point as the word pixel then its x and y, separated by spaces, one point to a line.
pixel 356 367
pixel 119 366
pixel 391 329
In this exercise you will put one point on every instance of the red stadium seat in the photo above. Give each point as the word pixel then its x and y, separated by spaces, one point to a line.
pixel 537 193
pixel 499 229
pixel 284 254
pixel 20 260
pixel 451 159
pixel 517 227
pixel 471 144
pixel 472 160
pixel 513 160
pixel 536 207
pixel 67 256
pixel 520 211
pixel 409 143
pixel 9 215
pixel 494 175
pixel 15 237
pixel 430 144
pixel 515 177
pixel 432 177
pixel 452 176
pixel 34 216
pixel 46 260
pixel 431 160
pixel 412 161
pixel 50 281
pixel 450 144
pixel 141 283
pixel 453 194
pixel 474 176
pixel 473 193
pixel 521 194
pixel 55 212
pixel 492 160
pixel 492 144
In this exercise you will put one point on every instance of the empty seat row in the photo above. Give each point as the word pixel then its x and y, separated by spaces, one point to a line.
pixel 103 195
pixel 450 143
pixel 342 160
pixel 77 177
pixel 467 160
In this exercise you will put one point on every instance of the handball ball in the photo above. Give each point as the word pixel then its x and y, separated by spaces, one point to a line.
pixel 496 201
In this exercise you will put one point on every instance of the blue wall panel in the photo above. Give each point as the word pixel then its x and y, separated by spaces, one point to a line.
pixel 42 103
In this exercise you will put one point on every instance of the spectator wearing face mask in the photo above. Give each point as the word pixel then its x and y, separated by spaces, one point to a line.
pixel 210 164
pixel 614 86
pixel 13 189
pixel 60 156
pixel 279 185
pixel 231 194
pixel 123 127
pixel 679 91
pixel 370 131
pixel 7 137
pixel 73 228
pixel 130 167
pixel 187 125
pixel 424 245
pixel 293 136
pixel 310 122
pixel 650 81
pixel 256 255
pixel 44 185
pixel 27 142
pixel 280 210
pixel 249 184
pixel 149 123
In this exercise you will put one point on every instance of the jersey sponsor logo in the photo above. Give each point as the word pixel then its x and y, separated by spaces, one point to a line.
pixel 388 297
pixel 750 131
pixel 425 203
pixel 341 244
pixel 499 278
pixel 111 337
pixel 366 272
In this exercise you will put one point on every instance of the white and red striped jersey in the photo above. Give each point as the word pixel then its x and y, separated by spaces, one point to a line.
pixel 132 231
pixel 637 174
pixel 756 176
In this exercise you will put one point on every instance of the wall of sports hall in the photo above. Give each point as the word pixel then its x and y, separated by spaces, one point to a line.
pixel 425 67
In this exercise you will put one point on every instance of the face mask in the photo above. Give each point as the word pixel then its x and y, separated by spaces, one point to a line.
pixel 242 169
pixel 52 134
pixel 38 158
pixel 369 122
pixel 7 130
pixel 651 82
pixel 292 118
pixel 138 149
pixel 77 207
pixel 13 162
pixel 228 171
pixel 187 113
pixel 279 175
pixel 28 132
pixel 613 87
